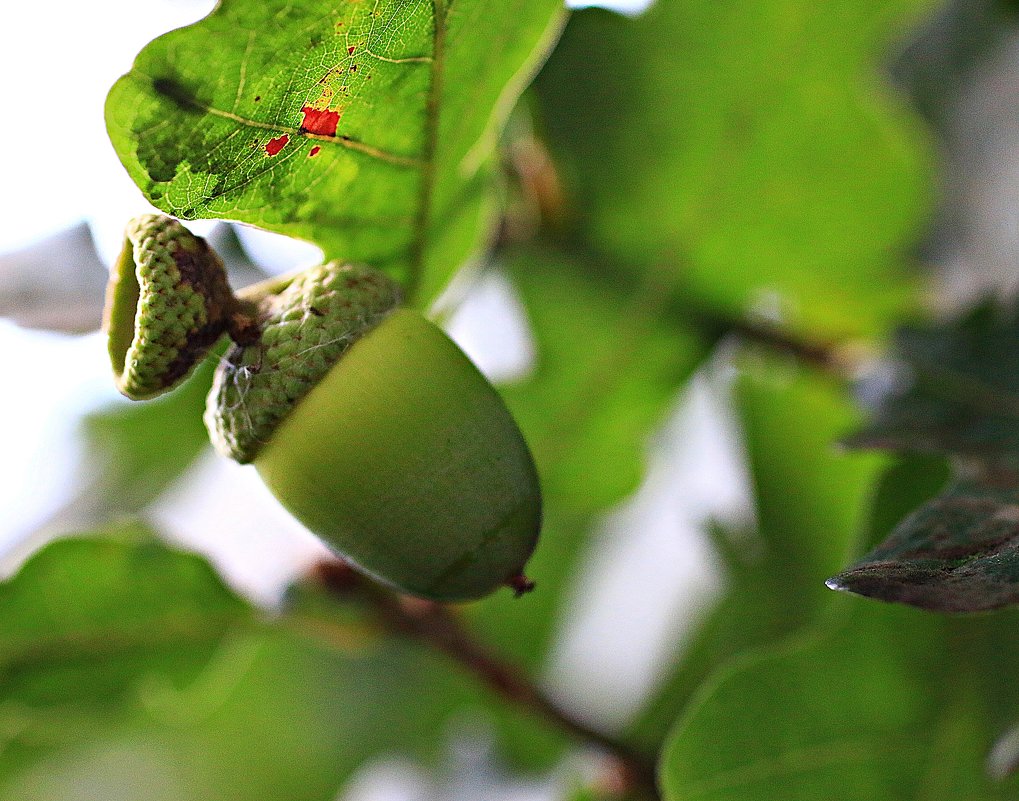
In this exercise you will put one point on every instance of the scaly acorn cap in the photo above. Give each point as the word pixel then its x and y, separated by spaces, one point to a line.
pixel 305 329
pixel 167 303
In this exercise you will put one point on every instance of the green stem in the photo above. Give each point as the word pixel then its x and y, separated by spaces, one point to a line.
pixel 253 294
pixel 243 320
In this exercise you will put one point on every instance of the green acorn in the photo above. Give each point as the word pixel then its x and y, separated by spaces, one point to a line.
pixel 363 418
pixel 374 430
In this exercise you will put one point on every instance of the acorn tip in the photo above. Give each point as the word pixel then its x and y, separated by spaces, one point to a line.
pixel 520 584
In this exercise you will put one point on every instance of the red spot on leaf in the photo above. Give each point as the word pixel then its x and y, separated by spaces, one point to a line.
pixel 314 151
pixel 276 145
pixel 350 50
pixel 320 121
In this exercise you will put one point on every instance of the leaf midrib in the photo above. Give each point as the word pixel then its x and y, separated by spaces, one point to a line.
pixel 154 634
pixel 419 243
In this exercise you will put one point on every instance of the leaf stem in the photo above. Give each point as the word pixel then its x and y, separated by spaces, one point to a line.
pixel 436 626
pixel 257 292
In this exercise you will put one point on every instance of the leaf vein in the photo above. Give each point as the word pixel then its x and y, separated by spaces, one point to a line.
pixel 347 142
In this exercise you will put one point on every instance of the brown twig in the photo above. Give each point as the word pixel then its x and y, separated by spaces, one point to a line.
pixel 436 626
pixel 832 358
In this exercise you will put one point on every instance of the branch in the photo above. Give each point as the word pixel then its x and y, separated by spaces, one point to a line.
pixel 839 360
pixel 436 626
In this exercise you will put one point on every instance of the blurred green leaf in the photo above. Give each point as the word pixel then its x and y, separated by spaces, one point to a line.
pixel 610 359
pixel 301 718
pixel 912 479
pixel 751 148
pixel 125 646
pixel 810 501
pixel 85 623
pixel 279 717
pixel 956 392
pixel 365 128
pixel 854 713
pixel 879 703
pixel 80 611
pixel 134 451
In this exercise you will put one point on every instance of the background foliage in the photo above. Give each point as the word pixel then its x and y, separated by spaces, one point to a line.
pixel 766 192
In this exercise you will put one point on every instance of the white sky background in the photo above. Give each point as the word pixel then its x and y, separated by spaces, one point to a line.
pixel 58 60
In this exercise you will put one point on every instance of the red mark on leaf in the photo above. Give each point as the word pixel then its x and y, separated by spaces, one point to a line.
pixel 314 151
pixel 320 121
pixel 350 50
pixel 276 145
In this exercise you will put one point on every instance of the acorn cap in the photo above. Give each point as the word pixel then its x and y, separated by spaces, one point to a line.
pixel 167 303
pixel 305 329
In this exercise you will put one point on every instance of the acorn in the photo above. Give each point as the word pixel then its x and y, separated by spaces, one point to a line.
pixel 376 432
